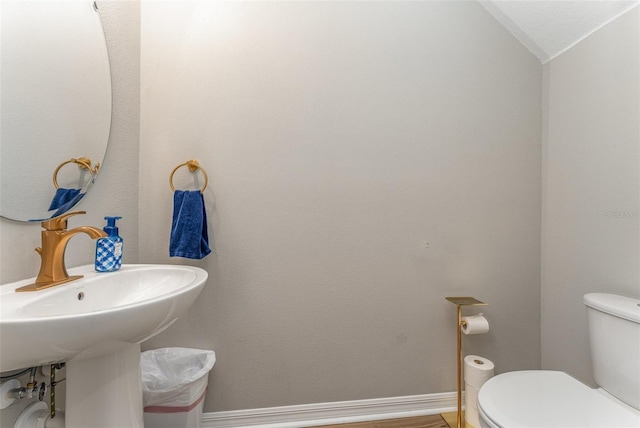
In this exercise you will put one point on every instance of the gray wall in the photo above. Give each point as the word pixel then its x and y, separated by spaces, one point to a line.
pixel 338 138
pixel 115 190
pixel 591 209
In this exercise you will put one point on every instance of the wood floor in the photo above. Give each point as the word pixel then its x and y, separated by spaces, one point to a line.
pixel 432 421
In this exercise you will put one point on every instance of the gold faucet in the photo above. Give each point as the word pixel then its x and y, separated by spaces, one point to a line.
pixel 54 243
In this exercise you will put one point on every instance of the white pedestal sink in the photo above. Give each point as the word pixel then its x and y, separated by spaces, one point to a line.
pixel 96 324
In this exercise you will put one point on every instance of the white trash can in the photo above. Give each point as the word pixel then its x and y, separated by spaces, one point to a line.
pixel 174 383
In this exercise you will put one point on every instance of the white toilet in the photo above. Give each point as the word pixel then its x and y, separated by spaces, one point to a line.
pixel 542 398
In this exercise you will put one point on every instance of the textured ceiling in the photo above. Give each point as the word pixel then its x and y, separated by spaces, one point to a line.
pixel 549 27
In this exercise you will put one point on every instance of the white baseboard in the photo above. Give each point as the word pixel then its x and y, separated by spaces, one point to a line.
pixel 307 415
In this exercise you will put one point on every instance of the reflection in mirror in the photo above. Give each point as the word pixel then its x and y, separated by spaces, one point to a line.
pixel 55 106
pixel 75 186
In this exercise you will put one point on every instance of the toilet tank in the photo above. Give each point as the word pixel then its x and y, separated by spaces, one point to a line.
pixel 614 336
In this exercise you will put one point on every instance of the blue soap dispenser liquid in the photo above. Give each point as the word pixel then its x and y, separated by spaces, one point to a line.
pixel 109 248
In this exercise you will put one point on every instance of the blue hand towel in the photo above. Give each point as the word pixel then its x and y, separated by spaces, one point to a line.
pixel 63 196
pixel 189 236
pixel 68 205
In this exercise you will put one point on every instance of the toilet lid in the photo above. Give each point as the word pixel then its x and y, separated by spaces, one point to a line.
pixel 540 398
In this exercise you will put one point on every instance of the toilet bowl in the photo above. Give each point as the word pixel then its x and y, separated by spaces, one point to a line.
pixel 545 399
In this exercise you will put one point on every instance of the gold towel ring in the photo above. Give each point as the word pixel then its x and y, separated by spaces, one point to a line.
pixel 193 166
pixel 83 163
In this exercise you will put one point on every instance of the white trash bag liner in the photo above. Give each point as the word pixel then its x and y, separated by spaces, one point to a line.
pixel 174 379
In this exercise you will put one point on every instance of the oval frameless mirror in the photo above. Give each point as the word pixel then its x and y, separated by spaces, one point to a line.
pixel 55 105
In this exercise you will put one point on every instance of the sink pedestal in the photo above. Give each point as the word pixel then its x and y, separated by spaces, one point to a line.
pixel 105 391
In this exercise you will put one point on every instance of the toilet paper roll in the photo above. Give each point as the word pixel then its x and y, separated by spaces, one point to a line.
pixel 472 417
pixel 470 396
pixel 477 370
pixel 476 324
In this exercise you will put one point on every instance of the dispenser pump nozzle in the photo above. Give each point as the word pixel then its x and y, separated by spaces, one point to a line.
pixel 111 229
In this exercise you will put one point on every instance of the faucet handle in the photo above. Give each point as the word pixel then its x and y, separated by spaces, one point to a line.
pixel 59 223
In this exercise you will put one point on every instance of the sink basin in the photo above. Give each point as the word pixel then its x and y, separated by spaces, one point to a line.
pixel 93 316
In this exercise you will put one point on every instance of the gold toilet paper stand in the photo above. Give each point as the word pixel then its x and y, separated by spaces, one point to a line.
pixel 460 302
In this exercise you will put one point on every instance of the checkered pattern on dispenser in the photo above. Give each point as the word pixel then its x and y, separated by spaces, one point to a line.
pixel 108 255
pixel 109 248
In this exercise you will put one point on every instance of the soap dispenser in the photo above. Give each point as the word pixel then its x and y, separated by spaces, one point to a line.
pixel 109 248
